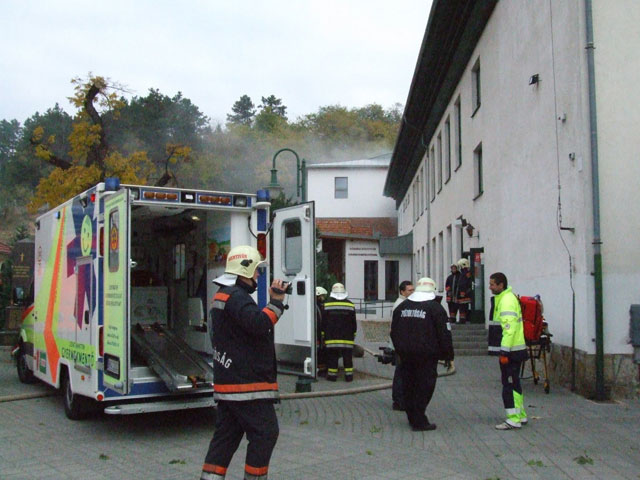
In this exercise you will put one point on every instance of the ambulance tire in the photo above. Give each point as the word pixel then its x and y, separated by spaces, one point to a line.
pixel 76 406
pixel 24 372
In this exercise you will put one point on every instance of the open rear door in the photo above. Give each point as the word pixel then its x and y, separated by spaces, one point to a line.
pixel 116 291
pixel 294 248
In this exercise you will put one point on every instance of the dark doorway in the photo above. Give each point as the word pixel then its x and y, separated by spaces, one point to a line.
pixel 391 279
pixel 334 248
pixel 370 280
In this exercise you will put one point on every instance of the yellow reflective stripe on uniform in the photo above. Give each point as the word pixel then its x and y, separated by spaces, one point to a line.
pixel 339 306
pixel 348 342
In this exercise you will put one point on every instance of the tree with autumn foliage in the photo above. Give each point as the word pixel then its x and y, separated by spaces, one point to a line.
pixel 91 156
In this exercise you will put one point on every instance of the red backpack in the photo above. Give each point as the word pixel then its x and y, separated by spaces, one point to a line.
pixel 532 317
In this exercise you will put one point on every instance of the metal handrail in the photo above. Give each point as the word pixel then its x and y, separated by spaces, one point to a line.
pixel 379 309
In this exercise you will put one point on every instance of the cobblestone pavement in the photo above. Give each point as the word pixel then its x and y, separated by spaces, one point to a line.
pixel 354 436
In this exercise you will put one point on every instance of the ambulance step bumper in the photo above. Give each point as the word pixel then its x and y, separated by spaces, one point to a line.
pixel 160 406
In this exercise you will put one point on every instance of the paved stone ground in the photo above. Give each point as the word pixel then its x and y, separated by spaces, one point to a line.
pixel 336 437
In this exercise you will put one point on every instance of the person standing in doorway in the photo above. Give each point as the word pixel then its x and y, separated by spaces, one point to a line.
pixel 339 332
pixel 405 289
pixel 421 334
pixel 451 290
pixel 465 285
pixel 513 350
pixel 244 368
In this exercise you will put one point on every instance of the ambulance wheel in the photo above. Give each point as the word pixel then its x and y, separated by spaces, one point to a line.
pixel 24 372
pixel 75 407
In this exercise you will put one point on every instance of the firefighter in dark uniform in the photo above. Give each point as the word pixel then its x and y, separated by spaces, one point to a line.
pixel 339 332
pixel 465 285
pixel 451 289
pixel 321 352
pixel 421 335
pixel 245 385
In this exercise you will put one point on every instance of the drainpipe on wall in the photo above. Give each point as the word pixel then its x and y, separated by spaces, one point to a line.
pixel 595 193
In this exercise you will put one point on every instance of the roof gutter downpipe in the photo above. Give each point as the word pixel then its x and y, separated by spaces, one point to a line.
pixel 595 193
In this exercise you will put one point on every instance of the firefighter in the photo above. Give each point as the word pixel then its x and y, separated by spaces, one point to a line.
pixel 451 289
pixel 321 295
pixel 465 284
pixel 339 332
pixel 244 367
pixel 512 349
pixel 405 289
pixel 421 335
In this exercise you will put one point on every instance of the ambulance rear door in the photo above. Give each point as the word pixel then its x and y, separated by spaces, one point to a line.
pixel 294 247
pixel 116 291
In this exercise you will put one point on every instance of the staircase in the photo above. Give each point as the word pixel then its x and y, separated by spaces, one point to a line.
pixel 469 339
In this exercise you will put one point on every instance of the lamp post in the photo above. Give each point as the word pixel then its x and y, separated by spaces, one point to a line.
pixel 301 190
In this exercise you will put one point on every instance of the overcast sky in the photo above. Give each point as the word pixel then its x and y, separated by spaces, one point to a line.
pixel 309 53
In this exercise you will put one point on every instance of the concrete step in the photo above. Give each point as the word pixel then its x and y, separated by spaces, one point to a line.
pixel 466 342
pixel 466 352
pixel 9 338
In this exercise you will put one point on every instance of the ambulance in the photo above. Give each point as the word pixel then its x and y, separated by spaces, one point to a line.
pixel 123 282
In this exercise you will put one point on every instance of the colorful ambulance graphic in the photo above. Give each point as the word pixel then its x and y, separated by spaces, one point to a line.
pixel 123 281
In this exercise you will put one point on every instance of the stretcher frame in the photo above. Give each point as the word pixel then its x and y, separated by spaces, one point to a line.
pixel 538 349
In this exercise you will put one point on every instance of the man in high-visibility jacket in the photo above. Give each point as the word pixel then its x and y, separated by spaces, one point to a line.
pixel 339 332
pixel 513 349
pixel 244 367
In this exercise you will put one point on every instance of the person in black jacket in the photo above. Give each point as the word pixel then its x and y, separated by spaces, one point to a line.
pixel 421 335
pixel 340 327
pixel 244 366
pixel 451 289
pixel 465 287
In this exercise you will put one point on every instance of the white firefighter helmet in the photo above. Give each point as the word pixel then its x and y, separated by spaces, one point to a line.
pixel 463 263
pixel 338 291
pixel 243 261
pixel 426 284
pixel 320 291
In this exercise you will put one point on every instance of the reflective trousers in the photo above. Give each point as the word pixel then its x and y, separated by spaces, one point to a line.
pixel 333 356
pixel 512 396
pixel 255 418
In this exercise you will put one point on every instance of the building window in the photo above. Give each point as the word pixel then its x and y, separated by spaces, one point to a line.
pixel 447 150
pixel 475 93
pixel 421 190
pixel 458 120
pixel 477 171
pixel 370 280
pixel 432 263
pixel 439 169
pixel 342 187
pixel 432 173
pixel 425 187
pixel 391 279
pixel 415 201
pixel 441 261
pixel 449 247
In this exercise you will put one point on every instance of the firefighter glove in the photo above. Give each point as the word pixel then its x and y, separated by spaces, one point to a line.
pixel 504 360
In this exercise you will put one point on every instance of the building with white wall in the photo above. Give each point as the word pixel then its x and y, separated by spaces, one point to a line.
pixel 519 124
pixel 357 226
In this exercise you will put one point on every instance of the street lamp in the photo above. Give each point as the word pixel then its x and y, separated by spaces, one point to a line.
pixel 301 190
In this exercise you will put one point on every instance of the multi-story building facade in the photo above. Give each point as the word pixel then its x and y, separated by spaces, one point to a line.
pixel 519 150
pixel 357 227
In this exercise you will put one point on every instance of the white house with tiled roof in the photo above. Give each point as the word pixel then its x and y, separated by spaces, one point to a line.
pixel 358 227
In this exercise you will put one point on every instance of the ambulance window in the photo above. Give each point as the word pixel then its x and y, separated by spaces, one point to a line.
pixel 179 261
pixel 292 254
